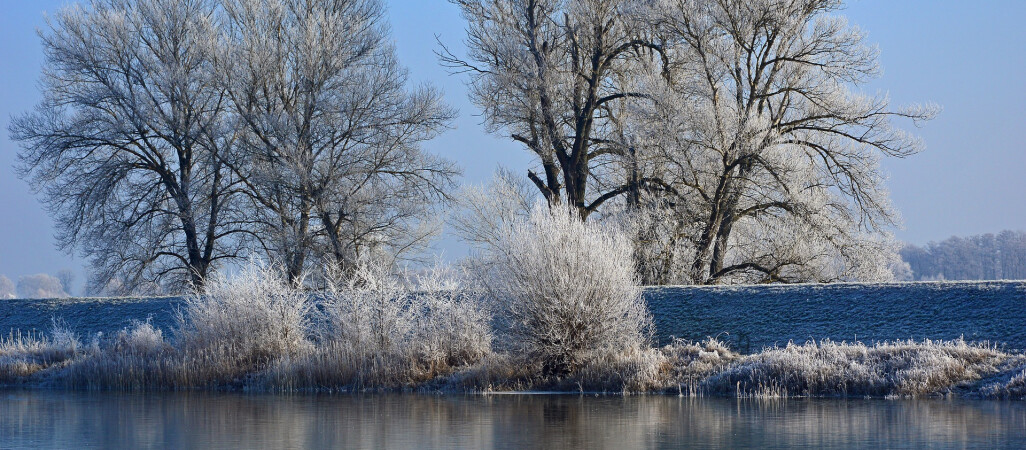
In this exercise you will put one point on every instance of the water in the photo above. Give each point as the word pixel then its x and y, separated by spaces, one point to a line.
pixel 49 419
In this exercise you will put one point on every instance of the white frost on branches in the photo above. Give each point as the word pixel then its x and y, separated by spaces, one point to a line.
pixel 329 147
pixel 176 137
pixel 565 288
pixel 766 155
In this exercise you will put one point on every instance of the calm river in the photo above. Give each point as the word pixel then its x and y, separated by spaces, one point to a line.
pixel 49 419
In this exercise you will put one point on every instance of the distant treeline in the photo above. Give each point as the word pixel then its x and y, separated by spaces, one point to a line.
pixel 40 285
pixel 982 257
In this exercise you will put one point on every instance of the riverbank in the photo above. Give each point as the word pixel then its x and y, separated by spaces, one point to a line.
pixel 371 331
pixel 141 360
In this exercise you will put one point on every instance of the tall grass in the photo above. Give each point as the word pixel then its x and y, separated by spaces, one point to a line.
pixel 825 369
pixel 896 369
pixel 379 332
pixel 225 333
pixel 368 329
pixel 25 355
pixel 1010 386
pixel 257 315
pixel 138 358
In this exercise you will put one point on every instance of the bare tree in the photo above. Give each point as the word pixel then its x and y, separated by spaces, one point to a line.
pixel 766 154
pixel 330 153
pixel 552 74
pixel 124 143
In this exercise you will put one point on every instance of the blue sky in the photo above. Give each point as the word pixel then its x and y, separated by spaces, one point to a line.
pixel 966 56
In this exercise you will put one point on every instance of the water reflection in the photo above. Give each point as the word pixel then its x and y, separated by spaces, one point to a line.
pixel 191 420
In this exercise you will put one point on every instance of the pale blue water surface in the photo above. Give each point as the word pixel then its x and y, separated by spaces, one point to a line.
pixel 57 419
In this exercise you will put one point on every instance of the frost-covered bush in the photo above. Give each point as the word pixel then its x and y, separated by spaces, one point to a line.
pixel 381 329
pixel 903 369
pixel 40 285
pixel 22 355
pixel 368 310
pixel 6 288
pixel 62 338
pixel 453 324
pixel 141 338
pixel 565 288
pixel 255 315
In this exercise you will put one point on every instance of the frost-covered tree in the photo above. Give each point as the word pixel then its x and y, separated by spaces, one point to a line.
pixel 483 212
pixel 331 132
pixel 123 145
pixel 551 74
pixel 766 151
pixel 40 285
pixel 981 257
pixel 175 135
pixel 6 288
pixel 731 135
pixel 67 279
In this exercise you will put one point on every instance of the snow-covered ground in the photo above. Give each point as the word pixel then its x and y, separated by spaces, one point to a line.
pixel 752 317
pixel 86 316
pixel 747 317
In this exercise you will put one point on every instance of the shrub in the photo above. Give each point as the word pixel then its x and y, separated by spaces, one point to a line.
pixel 379 332
pixel 256 316
pixel 368 310
pixel 898 369
pixel 565 288
pixel 142 338
pixel 453 325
